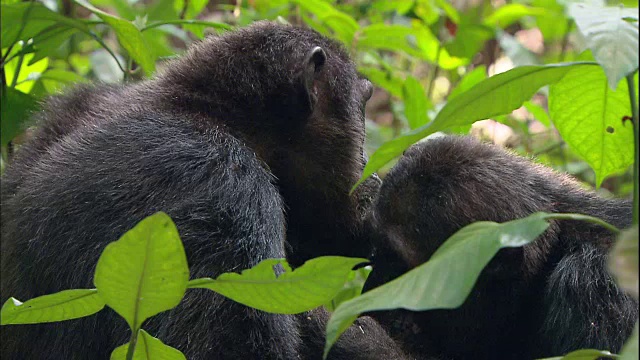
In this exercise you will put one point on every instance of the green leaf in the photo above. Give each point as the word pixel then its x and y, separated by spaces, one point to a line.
pixel 612 40
pixel 585 354
pixel 54 80
pixel 469 80
pixel 384 79
pixel 469 40
pixel 342 24
pixel 399 6
pixel 148 348
pixel 352 287
pixel 449 10
pixel 129 36
pixel 32 17
pixel 313 284
pixel 631 348
pixel 28 73
pixel 194 7
pixel 554 24
pixel 388 37
pixel 145 272
pixel 47 42
pixel 623 260
pixel 538 112
pixel 510 13
pixel 186 23
pixel 588 116
pixel 15 109
pixel 497 95
pixel 416 103
pixel 64 305
pixel 446 279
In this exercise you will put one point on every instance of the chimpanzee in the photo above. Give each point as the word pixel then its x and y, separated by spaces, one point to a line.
pixel 547 298
pixel 250 142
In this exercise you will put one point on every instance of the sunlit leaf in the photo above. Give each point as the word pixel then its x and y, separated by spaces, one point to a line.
pixel 148 348
pixel 588 115
pixel 416 103
pixel 145 272
pixel 271 286
pixel 342 24
pixel 64 305
pixel 352 287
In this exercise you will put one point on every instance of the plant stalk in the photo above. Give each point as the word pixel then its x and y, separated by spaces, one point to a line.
pixel 636 145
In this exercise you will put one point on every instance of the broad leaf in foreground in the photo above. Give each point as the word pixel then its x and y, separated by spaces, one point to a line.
pixel 148 348
pixel 271 286
pixel 447 278
pixel 145 272
pixel 64 305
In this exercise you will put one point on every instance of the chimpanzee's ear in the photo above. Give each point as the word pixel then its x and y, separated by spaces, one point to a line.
pixel 313 62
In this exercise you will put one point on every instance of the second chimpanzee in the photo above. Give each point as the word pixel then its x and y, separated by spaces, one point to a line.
pixel 544 299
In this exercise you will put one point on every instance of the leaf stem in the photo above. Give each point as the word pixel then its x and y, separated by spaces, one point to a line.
pixel 132 344
pixel 585 218
pixel 636 144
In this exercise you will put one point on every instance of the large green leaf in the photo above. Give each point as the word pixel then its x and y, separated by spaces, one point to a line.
pixel 497 95
pixel 612 39
pixel 148 348
pixel 15 108
pixel 145 272
pixel 352 287
pixel 313 284
pixel 64 305
pixel 588 115
pixel 416 103
pixel 129 36
pixel 447 278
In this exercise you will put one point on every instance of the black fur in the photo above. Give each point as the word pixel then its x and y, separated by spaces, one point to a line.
pixel 250 142
pixel 545 299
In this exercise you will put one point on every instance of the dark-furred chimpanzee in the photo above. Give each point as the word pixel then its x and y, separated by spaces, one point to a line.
pixel 546 298
pixel 250 142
